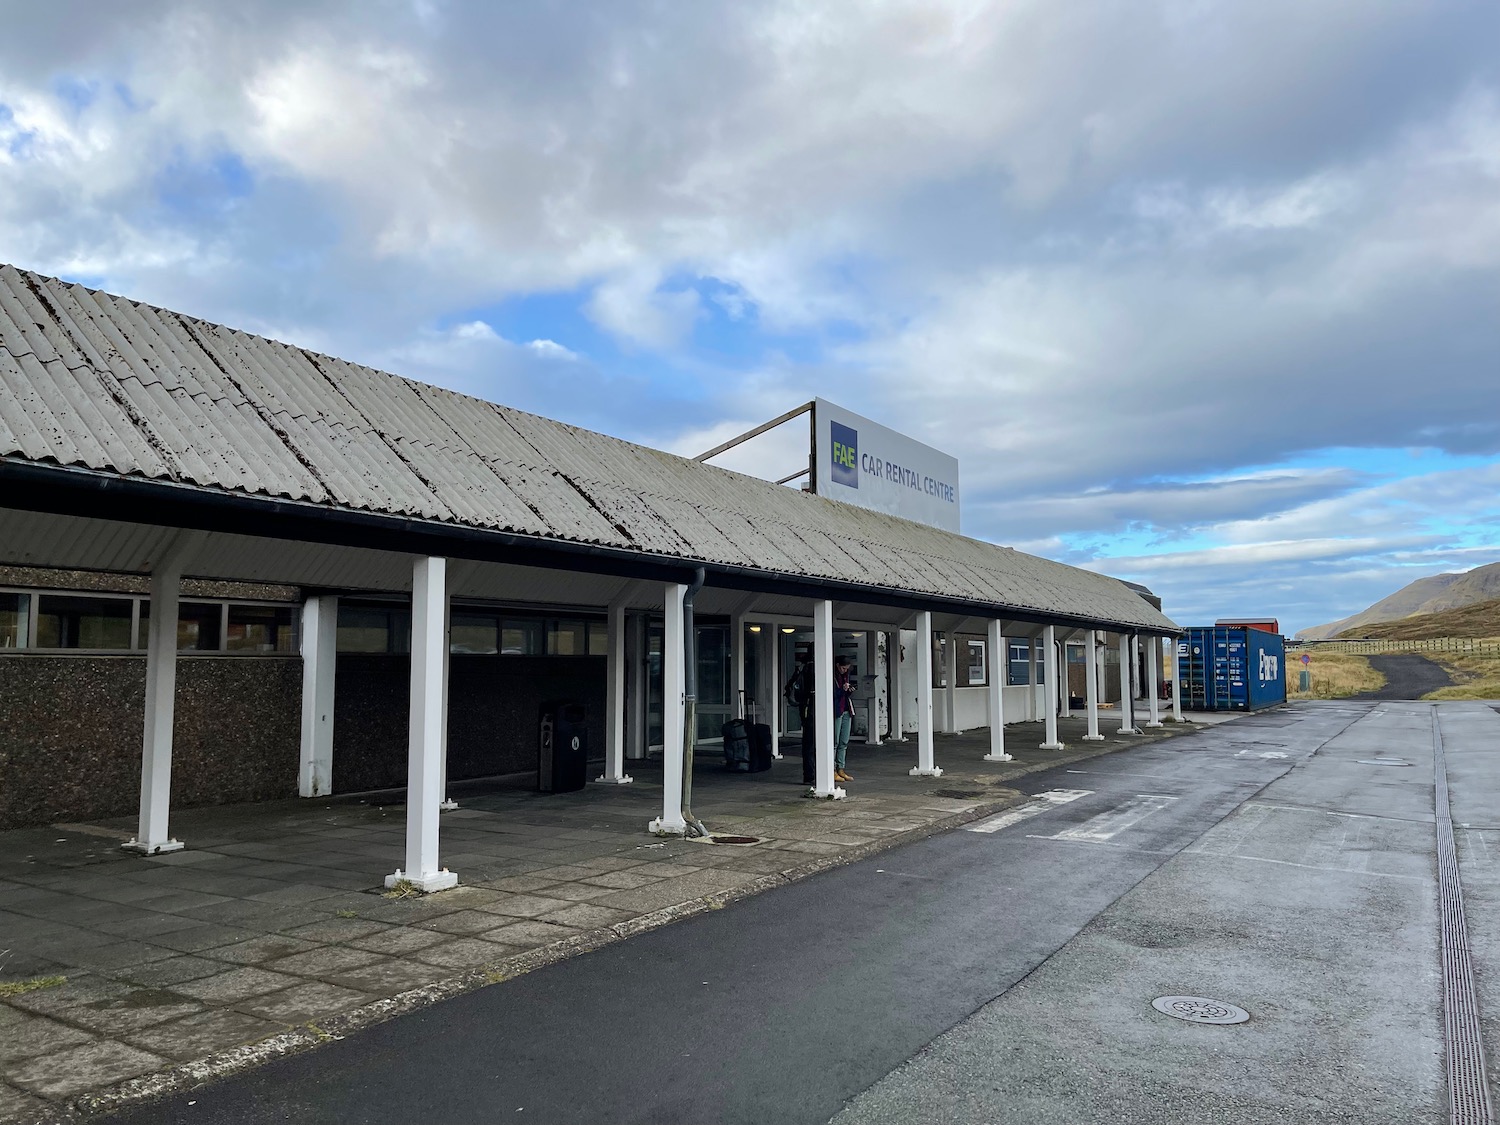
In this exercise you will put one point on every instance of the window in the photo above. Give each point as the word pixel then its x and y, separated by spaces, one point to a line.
pixel 197 625
pixel 261 628
pixel 470 632
pixel 567 638
pixel 520 637
pixel 598 638
pixel 372 628
pixel 67 621
pixel 14 612
pixel 978 665
pixel 1019 672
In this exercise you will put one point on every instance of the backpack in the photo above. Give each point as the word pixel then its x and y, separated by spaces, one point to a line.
pixel 796 691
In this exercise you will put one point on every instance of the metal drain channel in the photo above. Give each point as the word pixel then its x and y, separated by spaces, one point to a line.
pixel 1468 1085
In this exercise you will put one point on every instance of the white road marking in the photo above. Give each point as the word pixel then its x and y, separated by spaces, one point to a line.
pixel 1107 825
pixel 1038 804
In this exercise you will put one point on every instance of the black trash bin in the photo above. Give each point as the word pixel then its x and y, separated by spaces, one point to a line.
pixel 563 747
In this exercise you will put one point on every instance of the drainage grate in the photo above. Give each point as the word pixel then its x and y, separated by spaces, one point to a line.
pixel 958 794
pixel 1468 1087
pixel 1383 762
pixel 1199 1009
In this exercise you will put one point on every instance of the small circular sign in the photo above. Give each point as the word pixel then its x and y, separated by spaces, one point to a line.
pixel 574 743
pixel 1306 659
pixel 1199 1009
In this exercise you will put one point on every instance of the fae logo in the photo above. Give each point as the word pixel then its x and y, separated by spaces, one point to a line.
pixel 1270 668
pixel 845 454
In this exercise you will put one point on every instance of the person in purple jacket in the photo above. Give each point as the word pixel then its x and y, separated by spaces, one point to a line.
pixel 843 716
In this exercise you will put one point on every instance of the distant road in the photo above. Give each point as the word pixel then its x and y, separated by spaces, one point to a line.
pixel 1407 677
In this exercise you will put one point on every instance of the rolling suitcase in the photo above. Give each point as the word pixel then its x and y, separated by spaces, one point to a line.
pixel 736 746
pixel 760 736
pixel 760 747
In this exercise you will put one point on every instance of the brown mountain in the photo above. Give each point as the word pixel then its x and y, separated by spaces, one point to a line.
pixel 1434 594
pixel 1482 619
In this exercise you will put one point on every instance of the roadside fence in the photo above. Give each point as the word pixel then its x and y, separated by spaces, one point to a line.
pixel 1431 644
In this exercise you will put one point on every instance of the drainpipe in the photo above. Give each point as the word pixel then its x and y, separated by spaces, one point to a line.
pixel 690 703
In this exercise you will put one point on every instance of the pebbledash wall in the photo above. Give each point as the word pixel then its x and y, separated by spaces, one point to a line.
pixel 71 723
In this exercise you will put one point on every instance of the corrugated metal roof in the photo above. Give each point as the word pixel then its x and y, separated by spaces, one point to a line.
pixel 97 381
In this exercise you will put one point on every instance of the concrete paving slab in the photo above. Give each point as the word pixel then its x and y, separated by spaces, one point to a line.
pixel 88 1067
pixel 195 1036
pixel 465 953
pixel 236 984
pixel 22 1038
pixel 303 1002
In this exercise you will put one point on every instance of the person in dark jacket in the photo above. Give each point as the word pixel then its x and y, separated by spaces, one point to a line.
pixel 799 693
pixel 843 716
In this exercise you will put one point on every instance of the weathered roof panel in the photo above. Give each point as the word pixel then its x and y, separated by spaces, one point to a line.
pixel 94 380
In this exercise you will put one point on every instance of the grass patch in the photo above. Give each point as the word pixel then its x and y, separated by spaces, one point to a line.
pixel 11 988
pixel 1334 675
pixel 403 888
pixel 346 913
pixel 1475 675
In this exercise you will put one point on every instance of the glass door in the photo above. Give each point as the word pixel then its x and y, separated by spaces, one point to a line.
pixel 714 683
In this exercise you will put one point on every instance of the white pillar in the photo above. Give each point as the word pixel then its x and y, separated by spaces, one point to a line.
pixel 1153 678
pixel 925 767
pixel 1091 679
pixel 447 803
pixel 424 754
pixel 823 699
pixel 1174 659
pixel 737 666
pixel 1049 635
pixel 1127 716
pixel 673 686
pixel 635 737
pixel 773 709
pixel 614 698
pixel 1034 671
pixel 897 695
pixel 320 627
pixel 151 835
pixel 871 664
pixel 996 655
pixel 950 689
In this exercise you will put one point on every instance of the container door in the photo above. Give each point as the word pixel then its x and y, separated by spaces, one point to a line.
pixel 1238 648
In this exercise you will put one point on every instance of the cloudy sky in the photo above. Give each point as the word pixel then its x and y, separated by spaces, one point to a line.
pixel 1203 294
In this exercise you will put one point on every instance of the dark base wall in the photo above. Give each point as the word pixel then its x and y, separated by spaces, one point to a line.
pixel 70 734
pixel 70 727
pixel 493 704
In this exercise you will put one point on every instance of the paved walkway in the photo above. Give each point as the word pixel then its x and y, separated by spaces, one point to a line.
pixel 121 975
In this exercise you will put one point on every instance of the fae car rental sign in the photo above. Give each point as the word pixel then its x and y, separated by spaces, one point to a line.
pixel 860 462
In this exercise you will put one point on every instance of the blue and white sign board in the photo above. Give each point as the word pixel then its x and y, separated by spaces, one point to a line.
pixel 861 462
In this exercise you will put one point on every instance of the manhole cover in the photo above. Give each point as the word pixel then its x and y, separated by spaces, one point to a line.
pixel 741 840
pixel 1199 1009
pixel 1383 762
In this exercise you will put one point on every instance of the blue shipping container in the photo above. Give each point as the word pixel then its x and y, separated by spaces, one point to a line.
pixel 1231 668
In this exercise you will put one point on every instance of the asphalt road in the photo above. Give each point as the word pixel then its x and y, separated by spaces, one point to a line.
pixel 986 976
pixel 1407 677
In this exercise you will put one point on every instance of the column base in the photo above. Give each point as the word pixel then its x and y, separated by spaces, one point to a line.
pixel 918 771
pixel 1093 738
pixel 152 849
pixel 834 794
pixel 1052 746
pixel 448 804
pixel 661 826
pixel 436 881
pixel 1129 730
pixel 777 755
pixel 1156 724
pixel 998 758
pixel 605 779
